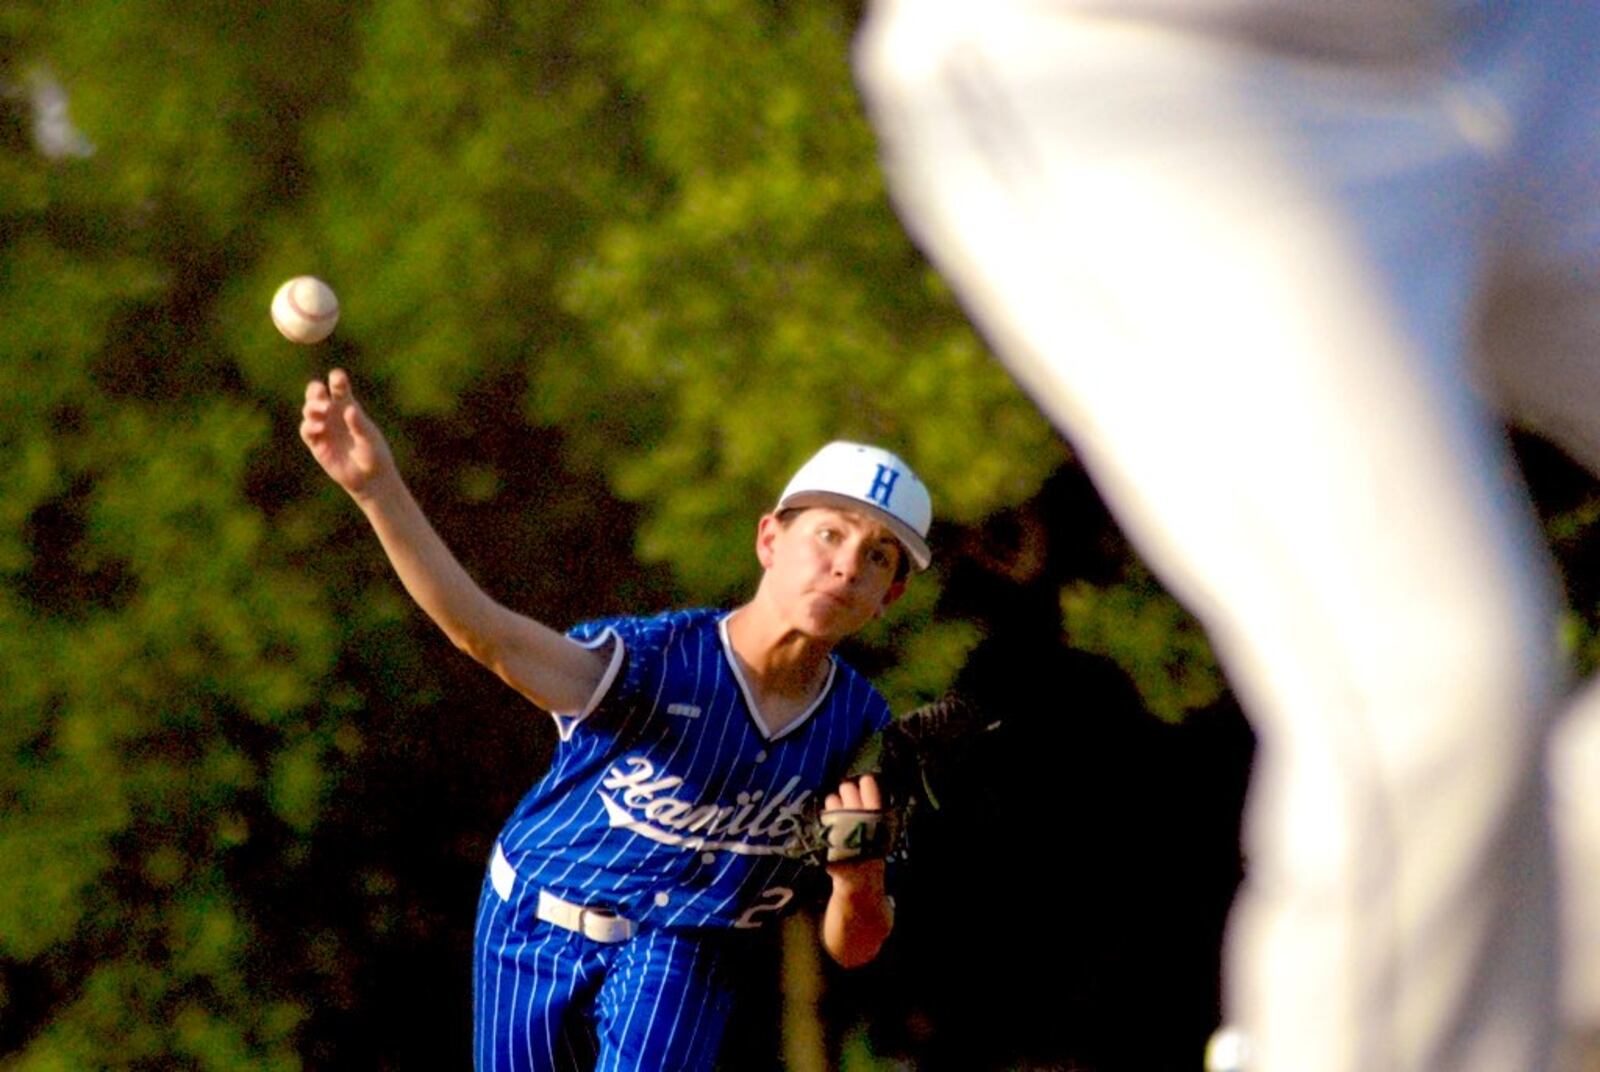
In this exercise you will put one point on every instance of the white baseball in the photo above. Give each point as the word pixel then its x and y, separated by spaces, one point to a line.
pixel 305 309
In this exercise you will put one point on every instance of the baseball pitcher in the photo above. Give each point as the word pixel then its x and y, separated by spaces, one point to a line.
pixel 697 751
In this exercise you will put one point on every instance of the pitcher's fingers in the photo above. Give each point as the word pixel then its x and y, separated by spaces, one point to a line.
pixel 355 420
pixel 317 402
pixel 315 408
pixel 339 384
pixel 832 802
pixel 871 796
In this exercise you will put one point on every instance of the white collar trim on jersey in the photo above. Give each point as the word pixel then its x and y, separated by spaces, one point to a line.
pixel 762 725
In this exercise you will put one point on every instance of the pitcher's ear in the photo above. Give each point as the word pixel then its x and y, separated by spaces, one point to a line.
pixel 767 530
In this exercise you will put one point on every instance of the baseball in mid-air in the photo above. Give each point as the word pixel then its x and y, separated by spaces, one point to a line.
pixel 305 309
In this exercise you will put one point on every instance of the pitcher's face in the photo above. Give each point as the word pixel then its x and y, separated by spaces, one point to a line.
pixel 832 570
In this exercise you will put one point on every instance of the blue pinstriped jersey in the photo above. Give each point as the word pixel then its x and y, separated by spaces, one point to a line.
pixel 668 799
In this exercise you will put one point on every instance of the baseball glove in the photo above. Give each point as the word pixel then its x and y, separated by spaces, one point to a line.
pixel 907 759
pixel 841 835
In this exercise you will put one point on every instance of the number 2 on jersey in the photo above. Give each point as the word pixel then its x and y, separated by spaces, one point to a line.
pixel 772 900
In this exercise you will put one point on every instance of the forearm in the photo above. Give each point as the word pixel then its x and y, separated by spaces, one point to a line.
pixel 859 915
pixel 430 572
pixel 539 662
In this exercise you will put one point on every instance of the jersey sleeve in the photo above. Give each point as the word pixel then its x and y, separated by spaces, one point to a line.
pixel 636 650
pixel 606 637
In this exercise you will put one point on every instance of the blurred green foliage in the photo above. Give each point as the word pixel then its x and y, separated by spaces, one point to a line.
pixel 1135 623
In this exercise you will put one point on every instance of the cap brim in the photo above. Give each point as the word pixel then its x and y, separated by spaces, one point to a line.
pixel 914 544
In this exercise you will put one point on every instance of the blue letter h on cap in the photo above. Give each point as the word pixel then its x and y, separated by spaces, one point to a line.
pixel 883 485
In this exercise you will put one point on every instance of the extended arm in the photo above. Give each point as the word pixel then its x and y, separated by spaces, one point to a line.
pixel 548 668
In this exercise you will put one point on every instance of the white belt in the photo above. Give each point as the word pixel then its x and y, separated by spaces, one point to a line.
pixel 598 924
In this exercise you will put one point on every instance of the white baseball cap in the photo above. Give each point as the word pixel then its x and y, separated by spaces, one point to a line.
pixel 854 476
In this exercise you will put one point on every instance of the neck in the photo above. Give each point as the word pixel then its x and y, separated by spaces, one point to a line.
pixel 779 662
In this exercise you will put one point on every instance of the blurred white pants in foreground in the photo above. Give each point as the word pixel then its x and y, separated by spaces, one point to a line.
pixel 1281 301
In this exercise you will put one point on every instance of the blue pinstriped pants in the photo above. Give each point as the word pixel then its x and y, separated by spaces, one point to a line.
pixel 547 999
